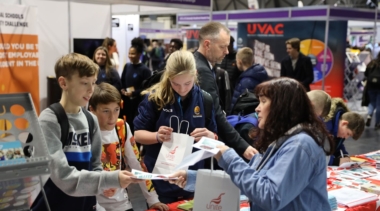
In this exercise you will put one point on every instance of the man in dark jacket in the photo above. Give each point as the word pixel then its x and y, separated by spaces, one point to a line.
pixel 214 39
pixel 229 64
pixel 297 65
pixel 253 74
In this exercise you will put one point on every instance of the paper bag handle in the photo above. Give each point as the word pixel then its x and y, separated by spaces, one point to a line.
pixel 212 167
pixel 179 125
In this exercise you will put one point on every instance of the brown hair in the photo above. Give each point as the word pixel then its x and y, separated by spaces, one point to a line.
pixel 245 55
pixel 211 30
pixel 355 123
pixel 72 63
pixel 289 107
pixel 104 93
pixel 294 42
pixel 108 64
pixel 108 41
pixel 321 101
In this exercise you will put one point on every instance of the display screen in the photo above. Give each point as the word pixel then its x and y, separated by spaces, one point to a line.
pixel 86 46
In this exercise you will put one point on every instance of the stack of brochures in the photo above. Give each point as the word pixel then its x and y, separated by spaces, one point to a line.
pixel 352 197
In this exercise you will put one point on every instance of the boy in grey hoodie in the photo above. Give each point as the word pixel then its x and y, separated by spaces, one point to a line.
pixel 76 171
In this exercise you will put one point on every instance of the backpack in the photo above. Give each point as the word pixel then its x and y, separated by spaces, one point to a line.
pixel 152 80
pixel 224 89
pixel 235 120
pixel 245 104
pixel 122 134
pixel 63 121
pixel 374 77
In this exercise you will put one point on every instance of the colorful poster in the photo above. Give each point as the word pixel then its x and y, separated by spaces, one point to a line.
pixel 19 51
pixel 192 39
pixel 267 39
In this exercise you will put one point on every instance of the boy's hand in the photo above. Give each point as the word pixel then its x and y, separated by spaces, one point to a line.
pixel 198 133
pixel 125 179
pixel 182 178
pixel 110 192
pixel 159 206
pixel 164 133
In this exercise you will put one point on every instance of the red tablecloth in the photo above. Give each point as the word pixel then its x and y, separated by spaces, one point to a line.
pixel 173 206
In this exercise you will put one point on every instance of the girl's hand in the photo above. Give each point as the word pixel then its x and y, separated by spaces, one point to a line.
pixel 164 133
pixel 198 133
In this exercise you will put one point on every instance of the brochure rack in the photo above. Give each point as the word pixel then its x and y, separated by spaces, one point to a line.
pixel 24 157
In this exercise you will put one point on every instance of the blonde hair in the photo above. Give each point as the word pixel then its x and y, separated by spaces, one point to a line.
pixel 179 63
pixel 73 63
pixel 245 55
pixel 321 101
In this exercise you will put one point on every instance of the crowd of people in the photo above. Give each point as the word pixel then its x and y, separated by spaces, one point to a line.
pixel 292 129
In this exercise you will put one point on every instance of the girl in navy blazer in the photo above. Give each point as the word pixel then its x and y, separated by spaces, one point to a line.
pixel 176 94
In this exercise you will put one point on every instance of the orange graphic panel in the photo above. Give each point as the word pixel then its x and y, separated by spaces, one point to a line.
pixel 19 66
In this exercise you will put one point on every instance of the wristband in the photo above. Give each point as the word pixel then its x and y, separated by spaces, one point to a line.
pixel 158 140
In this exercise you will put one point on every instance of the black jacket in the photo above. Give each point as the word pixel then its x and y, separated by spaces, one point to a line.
pixel 303 72
pixel 207 81
pixel 229 64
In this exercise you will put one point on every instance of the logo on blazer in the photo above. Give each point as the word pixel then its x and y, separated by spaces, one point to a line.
pixel 214 203
pixel 197 112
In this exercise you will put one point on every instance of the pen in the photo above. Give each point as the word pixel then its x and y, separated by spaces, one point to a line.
pixel 341 153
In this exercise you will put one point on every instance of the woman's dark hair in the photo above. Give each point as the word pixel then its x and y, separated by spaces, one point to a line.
pixel 108 41
pixel 138 44
pixel 178 42
pixel 289 107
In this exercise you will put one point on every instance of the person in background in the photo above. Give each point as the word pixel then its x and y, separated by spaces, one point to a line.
pixel 176 94
pixel 117 149
pixel 321 102
pixel 229 64
pixel 214 39
pixel 110 44
pixel 373 88
pixel 134 73
pixel 291 172
pixel 106 72
pixel 297 65
pixel 157 55
pixel 175 45
pixel 342 124
pixel 251 76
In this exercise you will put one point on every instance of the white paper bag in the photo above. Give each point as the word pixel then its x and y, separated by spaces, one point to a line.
pixel 214 190
pixel 173 151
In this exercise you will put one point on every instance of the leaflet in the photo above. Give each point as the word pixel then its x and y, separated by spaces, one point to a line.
pixel 208 144
pixel 149 176
pixel 208 148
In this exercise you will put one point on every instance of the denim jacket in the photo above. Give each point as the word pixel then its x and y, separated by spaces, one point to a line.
pixel 293 177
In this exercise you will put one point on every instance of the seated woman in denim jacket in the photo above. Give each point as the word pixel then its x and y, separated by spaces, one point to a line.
pixel 291 172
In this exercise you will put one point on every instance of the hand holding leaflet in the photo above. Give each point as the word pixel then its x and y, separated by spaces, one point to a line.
pixel 208 148
pixel 149 176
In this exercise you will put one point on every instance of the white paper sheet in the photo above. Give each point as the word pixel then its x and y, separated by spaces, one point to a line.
pixel 149 176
